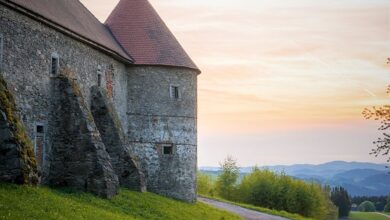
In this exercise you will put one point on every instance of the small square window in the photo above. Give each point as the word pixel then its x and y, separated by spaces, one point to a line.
pixel 167 149
pixel 40 129
pixel 175 93
pixel 54 65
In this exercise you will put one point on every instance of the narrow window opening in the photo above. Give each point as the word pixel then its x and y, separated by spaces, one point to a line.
pixel 99 79
pixel 1 51
pixel 54 65
pixel 39 144
pixel 175 94
pixel 99 74
pixel 167 149
pixel 24 118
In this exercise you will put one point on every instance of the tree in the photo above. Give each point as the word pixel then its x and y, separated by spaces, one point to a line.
pixel 387 206
pixel 340 198
pixel 205 184
pixel 366 206
pixel 382 114
pixel 226 181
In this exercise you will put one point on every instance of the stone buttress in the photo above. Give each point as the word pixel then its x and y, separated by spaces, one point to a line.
pixel 109 125
pixel 78 156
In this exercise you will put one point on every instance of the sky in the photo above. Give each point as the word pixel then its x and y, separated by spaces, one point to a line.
pixel 283 81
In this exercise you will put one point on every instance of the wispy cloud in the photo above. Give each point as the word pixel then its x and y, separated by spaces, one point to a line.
pixel 277 64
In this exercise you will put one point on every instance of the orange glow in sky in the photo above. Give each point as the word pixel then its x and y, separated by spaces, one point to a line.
pixel 284 81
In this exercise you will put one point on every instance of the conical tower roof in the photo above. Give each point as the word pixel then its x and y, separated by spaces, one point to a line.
pixel 144 35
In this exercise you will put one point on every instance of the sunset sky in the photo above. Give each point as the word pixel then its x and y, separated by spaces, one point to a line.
pixel 283 81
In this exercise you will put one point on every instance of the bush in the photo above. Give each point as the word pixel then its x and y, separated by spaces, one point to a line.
pixel 277 191
pixel 387 207
pixel 366 206
pixel 205 184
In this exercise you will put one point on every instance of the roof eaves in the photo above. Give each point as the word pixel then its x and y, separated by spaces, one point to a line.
pixel 69 32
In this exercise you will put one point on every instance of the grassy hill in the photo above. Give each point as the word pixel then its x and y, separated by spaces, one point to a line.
pixel 22 202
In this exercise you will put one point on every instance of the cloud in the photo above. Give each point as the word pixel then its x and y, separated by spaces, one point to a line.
pixel 271 65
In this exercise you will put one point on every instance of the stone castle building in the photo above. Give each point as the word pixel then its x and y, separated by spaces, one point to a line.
pixel 104 105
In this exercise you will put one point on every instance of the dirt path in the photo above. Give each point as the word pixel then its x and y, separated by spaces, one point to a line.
pixel 386 215
pixel 245 213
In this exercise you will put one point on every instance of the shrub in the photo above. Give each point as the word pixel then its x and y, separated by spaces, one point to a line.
pixel 277 191
pixel 387 207
pixel 205 184
pixel 366 206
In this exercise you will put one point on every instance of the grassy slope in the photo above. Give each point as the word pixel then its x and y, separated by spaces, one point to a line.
pixel 367 216
pixel 22 202
pixel 263 210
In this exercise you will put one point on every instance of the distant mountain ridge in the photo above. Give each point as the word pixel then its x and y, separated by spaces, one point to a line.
pixel 360 179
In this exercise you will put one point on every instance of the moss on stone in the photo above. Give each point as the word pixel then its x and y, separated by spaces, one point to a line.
pixel 28 162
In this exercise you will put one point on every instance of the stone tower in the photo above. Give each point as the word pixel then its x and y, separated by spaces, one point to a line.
pixel 162 99
pixel 105 105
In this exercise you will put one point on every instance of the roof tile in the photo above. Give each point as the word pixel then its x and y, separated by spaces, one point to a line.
pixel 143 34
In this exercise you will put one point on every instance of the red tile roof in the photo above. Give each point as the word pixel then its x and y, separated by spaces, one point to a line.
pixel 144 35
pixel 72 15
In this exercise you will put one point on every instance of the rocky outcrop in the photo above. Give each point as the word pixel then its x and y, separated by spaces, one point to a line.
pixel 17 160
pixel 113 137
pixel 78 156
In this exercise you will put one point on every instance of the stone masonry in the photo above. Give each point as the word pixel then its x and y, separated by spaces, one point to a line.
pixel 78 157
pixel 130 176
pixel 96 118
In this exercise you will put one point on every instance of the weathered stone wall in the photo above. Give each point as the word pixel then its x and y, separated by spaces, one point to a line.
pixel 28 46
pixel 114 139
pixel 141 96
pixel 155 119
pixel 78 157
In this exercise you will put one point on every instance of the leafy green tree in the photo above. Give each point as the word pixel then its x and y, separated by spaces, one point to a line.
pixel 379 201
pixel 366 206
pixel 205 184
pixel 227 180
pixel 340 198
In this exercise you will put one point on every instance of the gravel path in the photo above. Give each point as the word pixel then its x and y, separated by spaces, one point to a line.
pixel 243 212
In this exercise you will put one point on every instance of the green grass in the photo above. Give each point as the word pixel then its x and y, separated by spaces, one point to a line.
pixel 366 216
pixel 23 202
pixel 263 210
